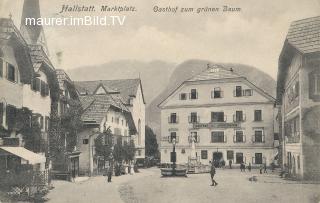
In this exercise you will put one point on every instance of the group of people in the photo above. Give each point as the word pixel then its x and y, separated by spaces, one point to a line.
pixel 128 169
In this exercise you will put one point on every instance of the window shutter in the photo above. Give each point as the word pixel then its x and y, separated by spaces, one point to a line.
pixel 234 137
pixel 212 94
pixel 253 160
pixel 221 94
pixel 263 137
pixel 224 138
pixel 244 138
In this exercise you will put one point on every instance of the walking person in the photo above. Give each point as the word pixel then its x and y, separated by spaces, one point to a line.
pixel 212 173
pixel 265 168
pixel 230 164
pixel 261 168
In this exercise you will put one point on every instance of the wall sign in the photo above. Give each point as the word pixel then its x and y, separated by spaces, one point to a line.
pixel 216 125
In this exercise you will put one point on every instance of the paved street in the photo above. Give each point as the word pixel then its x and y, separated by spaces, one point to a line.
pixel 148 186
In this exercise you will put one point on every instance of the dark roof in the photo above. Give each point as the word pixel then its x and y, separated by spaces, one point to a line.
pixel 96 106
pixel 126 87
pixel 304 35
pixel 31 9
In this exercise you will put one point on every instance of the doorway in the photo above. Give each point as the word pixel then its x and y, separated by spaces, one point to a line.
pixel 217 157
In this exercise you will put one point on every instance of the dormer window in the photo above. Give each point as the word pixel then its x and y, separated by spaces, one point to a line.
pixel 183 96
pixel 216 93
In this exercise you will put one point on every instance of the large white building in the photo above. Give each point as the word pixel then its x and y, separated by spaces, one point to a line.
pixel 229 117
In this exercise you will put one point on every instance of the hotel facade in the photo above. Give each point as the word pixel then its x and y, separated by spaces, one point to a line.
pixel 228 117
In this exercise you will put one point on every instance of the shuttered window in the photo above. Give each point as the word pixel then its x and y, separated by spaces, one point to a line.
pixel 11 72
pixel 10 116
pixel 314 85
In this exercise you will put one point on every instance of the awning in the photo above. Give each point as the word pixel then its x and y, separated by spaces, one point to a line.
pixel 27 155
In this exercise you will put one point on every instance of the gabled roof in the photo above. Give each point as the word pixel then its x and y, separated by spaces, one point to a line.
pixel 96 106
pixel 303 38
pixel 219 72
pixel 304 35
pixel 214 73
pixel 125 87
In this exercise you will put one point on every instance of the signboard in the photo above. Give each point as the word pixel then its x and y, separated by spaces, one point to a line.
pixel 216 125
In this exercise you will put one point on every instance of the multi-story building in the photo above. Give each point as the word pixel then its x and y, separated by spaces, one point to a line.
pixel 227 116
pixel 26 81
pixel 131 93
pixel 298 92
pixel 102 110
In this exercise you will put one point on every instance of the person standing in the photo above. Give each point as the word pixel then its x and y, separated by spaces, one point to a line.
pixel 249 167
pixel 212 173
pixel 261 167
pixel 230 164
pixel 265 168
pixel 110 173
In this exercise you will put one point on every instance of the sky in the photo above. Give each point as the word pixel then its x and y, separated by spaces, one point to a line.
pixel 254 36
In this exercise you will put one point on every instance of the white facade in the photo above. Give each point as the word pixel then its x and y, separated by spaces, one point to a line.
pixel 247 139
pixel 138 114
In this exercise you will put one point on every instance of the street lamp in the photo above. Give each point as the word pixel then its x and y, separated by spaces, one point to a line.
pixel 173 156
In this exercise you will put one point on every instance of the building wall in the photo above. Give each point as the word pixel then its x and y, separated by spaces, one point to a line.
pixel 229 104
pixel 138 114
pixel 301 154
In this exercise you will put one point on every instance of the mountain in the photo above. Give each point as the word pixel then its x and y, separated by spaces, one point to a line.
pixel 154 75
pixel 160 78
pixel 190 68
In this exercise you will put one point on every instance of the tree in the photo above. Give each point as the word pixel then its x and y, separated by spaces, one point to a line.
pixel 103 145
pixel 151 143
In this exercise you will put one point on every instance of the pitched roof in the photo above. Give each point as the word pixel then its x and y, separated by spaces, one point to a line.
pixel 215 72
pixel 126 87
pixel 96 106
pixel 304 34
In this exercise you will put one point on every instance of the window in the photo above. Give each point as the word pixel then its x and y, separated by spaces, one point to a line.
pixel 217 136
pixel 121 122
pixel 1 68
pixel 36 84
pixel 239 117
pixel 238 91
pixel 173 135
pixel 298 161
pixel 117 120
pixel 239 136
pixel 257 115
pixel 10 115
pixel 204 154
pixel 247 92
pixel 183 151
pixel 43 88
pixel 239 158
pixel 139 152
pixel 173 118
pixel 85 141
pixel 11 74
pixel 41 122
pixel 193 117
pixel 230 155
pixel 193 94
pixel 258 158
pixel 183 96
pixel 194 136
pixel 217 93
pixel 217 117
pixel 46 123
pixel 1 113
pixel 258 136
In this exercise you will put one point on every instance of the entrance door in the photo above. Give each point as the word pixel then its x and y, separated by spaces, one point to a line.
pixel 216 158
pixel 75 166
